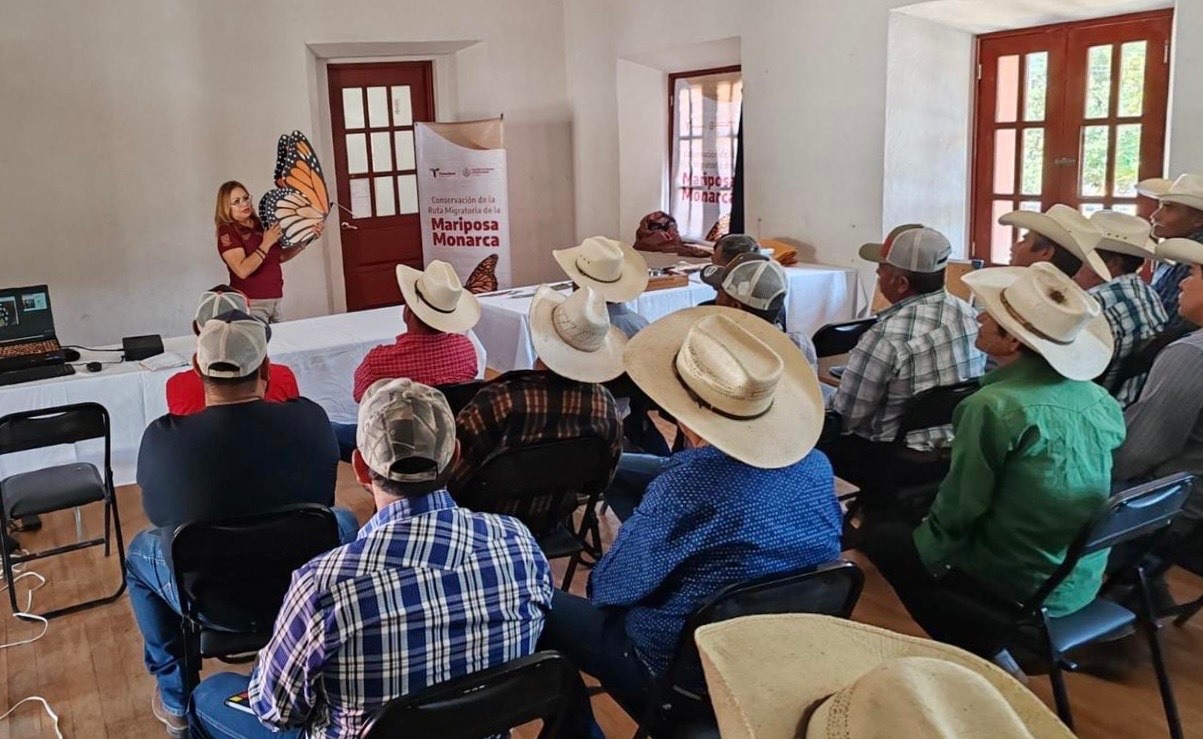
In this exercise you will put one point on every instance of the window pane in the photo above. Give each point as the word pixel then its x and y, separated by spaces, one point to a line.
pixel 1032 205
pixel 377 107
pixel 1129 208
pixel 361 198
pixel 407 193
pixel 1132 77
pixel 682 108
pixel 382 153
pixel 1001 237
pixel 1007 98
pixel 1004 161
pixel 1088 208
pixel 403 110
pixel 1098 81
pixel 1033 161
pixel 1127 160
pixel 353 107
pixel 385 204
pixel 1094 160
pixel 405 150
pixel 1036 87
pixel 357 153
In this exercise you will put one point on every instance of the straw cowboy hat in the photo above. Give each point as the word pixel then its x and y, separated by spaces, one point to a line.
pixel 1066 228
pixel 438 297
pixel 735 379
pixel 1123 233
pixel 573 335
pixel 1186 190
pixel 1050 314
pixel 803 675
pixel 610 267
pixel 1182 251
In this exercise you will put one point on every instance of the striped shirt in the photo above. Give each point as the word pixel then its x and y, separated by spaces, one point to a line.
pixel 1135 314
pixel 428 592
pixel 919 343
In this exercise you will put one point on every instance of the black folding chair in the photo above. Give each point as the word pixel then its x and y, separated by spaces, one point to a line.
pixel 678 705
pixel 1141 361
pixel 1133 519
pixel 232 576
pixel 60 487
pixel 839 338
pixel 485 703
pixel 541 485
pixel 460 394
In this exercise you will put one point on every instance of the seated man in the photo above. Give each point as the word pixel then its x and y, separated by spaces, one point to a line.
pixel 186 390
pixel 749 497
pixel 658 232
pixel 428 592
pixel 433 350
pixel 237 457
pixel 561 398
pixel 924 340
pixel 1133 310
pixel 1179 215
pixel 615 271
pixel 727 248
pixel 1061 235
pixel 1031 461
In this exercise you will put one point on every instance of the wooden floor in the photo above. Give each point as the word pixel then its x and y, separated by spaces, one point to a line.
pixel 89 665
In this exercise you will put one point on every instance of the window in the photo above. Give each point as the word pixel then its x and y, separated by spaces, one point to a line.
pixel 1073 114
pixel 703 113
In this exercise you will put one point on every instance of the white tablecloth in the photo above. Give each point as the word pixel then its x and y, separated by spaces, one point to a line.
pixel 818 295
pixel 323 352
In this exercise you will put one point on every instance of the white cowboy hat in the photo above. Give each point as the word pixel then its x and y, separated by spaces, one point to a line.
pixel 610 267
pixel 573 335
pixel 1186 190
pixel 1048 313
pixel 1123 233
pixel 735 379
pixel 1067 228
pixel 768 674
pixel 1182 251
pixel 438 297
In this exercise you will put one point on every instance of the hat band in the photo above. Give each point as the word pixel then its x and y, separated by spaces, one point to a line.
pixel 418 292
pixel 709 406
pixel 1002 296
pixel 585 272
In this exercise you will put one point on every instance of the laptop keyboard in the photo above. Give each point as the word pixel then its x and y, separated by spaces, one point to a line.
pixel 28 349
pixel 30 374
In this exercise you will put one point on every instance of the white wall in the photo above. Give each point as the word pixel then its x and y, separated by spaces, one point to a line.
pixel 1184 142
pixel 642 142
pixel 118 121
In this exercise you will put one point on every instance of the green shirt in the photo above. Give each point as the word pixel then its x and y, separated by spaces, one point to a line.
pixel 1031 464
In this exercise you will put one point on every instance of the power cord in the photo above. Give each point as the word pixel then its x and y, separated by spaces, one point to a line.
pixel 90 349
pixel 27 615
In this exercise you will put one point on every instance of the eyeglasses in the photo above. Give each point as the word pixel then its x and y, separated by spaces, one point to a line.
pixel 244 200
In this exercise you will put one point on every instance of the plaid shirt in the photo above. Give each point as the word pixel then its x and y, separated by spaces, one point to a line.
pixel 921 342
pixel 429 358
pixel 527 407
pixel 426 593
pixel 1135 314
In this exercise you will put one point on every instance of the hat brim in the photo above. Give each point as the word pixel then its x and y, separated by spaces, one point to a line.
pixel 602 365
pixel 630 285
pixel 1050 228
pixel 763 672
pixel 1160 189
pixel 779 438
pixel 1084 358
pixel 1182 251
pixel 1147 251
pixel 872 252
pixel 463 317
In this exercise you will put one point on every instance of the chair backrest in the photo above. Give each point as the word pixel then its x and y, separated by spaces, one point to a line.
pixel 840 338
pixel 485 703
pixel 934 407
pixel 460 394
pixel 64 424
pixel 1141 361
pixel 233 574
pixel 1137 512
pixel 538 484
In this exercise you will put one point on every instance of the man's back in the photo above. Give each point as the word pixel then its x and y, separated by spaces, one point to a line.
pixel 428 592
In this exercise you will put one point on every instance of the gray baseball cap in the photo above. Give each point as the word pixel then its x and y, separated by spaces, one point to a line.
pixel 917 249
pixel 214 302
pixel 231 345
pixel 755 280
pixel 406 432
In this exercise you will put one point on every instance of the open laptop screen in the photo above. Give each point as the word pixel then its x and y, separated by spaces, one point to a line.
pixel 25 314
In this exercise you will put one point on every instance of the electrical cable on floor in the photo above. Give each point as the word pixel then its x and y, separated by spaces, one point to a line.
pixel 27 615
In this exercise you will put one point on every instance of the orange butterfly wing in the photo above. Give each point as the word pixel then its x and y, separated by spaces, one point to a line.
pixel 483 279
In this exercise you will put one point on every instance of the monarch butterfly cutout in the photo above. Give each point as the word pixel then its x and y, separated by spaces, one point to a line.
pixel 300 201
pixel 484 278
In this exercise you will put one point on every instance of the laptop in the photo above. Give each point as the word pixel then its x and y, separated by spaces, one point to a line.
pixel 27 337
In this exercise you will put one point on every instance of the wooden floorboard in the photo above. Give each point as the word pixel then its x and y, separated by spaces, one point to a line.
pixel 89 665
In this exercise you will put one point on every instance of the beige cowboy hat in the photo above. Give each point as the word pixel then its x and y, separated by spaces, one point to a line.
pixel 1186 190
pixel 803 675
pixel 1067 228
pixel 573 335
pixel 1048 313
pixel 735 379
pixel 438 297
pixel 1123 233
pixel 1182 251
pixel 612 268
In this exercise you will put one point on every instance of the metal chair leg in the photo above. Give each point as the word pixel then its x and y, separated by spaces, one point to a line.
pixel 1056 675
pixel 570 573
pixel 1187 611
pixel 1152 629
pixel 9 580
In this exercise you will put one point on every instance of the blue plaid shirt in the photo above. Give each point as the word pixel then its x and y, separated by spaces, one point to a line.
pixel 428 592
pixel 1135 315
pixel 705 522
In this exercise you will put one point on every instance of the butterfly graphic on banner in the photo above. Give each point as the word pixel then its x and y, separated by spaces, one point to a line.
pixel 301 200
pixel 484 278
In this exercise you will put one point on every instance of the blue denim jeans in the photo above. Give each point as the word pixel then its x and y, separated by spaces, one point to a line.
pixel 345 433
pixel 156 606
pixel 635 472
pixel 210 714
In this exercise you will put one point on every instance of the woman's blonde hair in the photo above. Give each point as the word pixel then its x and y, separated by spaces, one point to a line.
pixel 222 215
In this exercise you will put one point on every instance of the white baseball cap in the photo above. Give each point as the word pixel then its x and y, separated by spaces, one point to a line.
pixel 920 249
pixel 232 345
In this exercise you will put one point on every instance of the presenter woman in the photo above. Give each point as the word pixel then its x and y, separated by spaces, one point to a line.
pixel 252 254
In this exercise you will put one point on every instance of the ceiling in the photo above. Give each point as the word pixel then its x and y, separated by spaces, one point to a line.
pixel 986 16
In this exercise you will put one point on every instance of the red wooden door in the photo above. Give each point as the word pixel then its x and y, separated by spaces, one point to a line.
pixel 373 108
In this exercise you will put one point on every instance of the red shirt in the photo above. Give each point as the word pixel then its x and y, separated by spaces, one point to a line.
pixel 429 358
pixel 267 281
pixel 186 390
